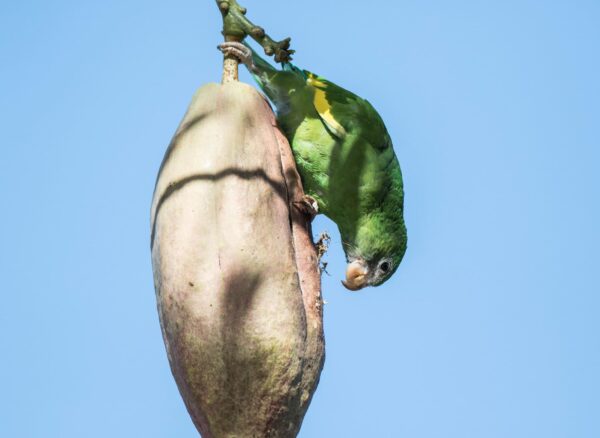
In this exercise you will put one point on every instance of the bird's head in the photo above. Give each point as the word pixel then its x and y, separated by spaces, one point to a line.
pixel 374 256
pixel 361 273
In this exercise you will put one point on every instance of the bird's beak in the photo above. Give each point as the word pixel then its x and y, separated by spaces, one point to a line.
pixel 356 275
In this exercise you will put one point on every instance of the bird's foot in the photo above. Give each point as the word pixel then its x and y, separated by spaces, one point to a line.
pixel 308 205
pixel 240 51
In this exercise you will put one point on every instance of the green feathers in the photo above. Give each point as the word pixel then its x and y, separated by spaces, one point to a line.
pixel 347 163
pixel 323 106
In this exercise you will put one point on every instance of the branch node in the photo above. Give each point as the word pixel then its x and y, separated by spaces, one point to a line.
pixel 257 32
pixel 236 25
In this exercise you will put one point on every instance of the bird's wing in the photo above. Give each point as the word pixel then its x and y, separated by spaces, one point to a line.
pixel 343 111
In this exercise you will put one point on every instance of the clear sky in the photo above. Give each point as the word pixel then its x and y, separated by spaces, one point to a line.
pixel 490 328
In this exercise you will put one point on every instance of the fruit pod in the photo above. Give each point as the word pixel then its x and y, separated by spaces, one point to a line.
pixel 235 269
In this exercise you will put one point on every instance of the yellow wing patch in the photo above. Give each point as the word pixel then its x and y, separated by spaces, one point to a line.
pixel 324 108
pixel 315 81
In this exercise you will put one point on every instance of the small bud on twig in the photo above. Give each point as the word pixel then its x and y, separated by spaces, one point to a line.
pixel 257 32
pixel 236 24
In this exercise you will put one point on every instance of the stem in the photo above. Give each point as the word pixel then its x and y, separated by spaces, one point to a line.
pixel 237 27
pixel 230 64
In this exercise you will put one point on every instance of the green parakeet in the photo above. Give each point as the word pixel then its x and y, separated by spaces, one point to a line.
pixel 345 158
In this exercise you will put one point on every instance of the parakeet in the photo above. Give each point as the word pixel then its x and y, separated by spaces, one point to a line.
pixel 346 160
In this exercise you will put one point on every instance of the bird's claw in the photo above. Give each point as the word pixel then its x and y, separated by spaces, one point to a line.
pixel 238 50
pixel 308 205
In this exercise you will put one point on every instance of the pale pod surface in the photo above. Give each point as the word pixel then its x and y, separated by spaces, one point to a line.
pixel 235 275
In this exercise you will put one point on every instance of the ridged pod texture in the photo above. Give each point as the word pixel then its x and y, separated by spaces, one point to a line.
pixel 235 270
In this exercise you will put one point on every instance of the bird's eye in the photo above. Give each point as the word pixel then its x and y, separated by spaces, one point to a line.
pixel 385 266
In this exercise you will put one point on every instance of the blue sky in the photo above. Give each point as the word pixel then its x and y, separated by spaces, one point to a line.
pixel 490 327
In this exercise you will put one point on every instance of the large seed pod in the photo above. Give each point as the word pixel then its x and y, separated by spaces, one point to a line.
pixel 235 270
